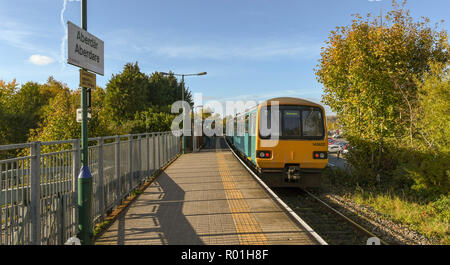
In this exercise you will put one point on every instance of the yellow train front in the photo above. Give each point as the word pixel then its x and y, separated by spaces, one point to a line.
pixel 285 140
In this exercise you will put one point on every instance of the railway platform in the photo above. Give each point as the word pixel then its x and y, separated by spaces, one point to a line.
pixel 207 198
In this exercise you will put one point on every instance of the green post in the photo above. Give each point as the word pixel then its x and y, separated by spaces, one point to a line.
pixel 85 177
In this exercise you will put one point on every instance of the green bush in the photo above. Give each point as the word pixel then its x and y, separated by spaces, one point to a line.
pixel 148 121
pixel 430 174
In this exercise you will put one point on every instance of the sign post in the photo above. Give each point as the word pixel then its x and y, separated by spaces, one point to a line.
pixel 87 52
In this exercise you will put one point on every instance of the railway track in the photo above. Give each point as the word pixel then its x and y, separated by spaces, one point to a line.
pixel 330 224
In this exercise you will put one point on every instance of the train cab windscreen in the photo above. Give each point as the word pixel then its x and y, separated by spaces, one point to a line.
pixel 296 122
pixel 291 123
pixel 312 123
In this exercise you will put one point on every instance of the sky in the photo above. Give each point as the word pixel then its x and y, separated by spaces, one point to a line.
pixel 251 49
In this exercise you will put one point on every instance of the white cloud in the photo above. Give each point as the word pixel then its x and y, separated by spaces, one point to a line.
pixel 217 48
pixel 38 59
pixel 22 36
pixel 16 35
pixel 253 51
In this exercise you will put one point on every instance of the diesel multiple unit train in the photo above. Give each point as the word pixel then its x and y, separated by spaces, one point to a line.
pixel 285 140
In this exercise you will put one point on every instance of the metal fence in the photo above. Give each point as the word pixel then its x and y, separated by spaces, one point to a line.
pixel 38 193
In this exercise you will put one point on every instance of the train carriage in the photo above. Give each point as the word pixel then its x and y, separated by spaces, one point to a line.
pixel 292 155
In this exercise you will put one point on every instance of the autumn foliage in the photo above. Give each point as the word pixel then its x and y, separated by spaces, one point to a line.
pixel 387 80
pixel 132 102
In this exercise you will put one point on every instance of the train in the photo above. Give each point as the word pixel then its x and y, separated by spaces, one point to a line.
pixel 284 140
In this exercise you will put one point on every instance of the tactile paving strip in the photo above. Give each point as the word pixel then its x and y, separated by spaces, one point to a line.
pixel 247 227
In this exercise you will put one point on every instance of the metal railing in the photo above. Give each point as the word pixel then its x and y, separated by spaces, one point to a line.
pixel 38 192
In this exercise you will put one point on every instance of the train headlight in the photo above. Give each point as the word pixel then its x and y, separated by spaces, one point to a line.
pixel 320 155
pixel 264 154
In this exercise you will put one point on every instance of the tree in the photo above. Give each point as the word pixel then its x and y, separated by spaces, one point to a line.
pixel 132 92
pixel 7 92
pixel 332 123
pixel 167 90
pixel 99 124
pixel 431 171
pixel 47 112
pixel 127 93
pixel 151 121
pixel 368 71
pixel 22 110
pixel 434 115
pixel 59 119
pixel 27 109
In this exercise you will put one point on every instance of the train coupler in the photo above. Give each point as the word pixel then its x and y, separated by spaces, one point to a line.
pixel 293 173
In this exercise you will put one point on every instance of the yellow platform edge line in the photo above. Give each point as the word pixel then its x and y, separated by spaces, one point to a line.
pixel 248 229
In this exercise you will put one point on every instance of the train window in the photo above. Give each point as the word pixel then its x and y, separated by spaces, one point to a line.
pixel 241 126
pixel 253 124
pixel 312 123
pixel 265 123
pixel 291 123
pixel 247 123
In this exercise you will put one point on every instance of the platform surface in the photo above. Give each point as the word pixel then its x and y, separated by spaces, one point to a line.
pixel 205 198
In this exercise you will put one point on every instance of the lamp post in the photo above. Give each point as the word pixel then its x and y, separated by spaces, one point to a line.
pixel 182 94
pixel 381 12
pixel 194 139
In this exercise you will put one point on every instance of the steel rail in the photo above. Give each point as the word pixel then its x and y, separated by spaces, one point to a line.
pixel 331 209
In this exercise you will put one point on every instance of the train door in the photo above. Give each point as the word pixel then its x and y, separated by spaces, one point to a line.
pixel 246 136
pixel 253 136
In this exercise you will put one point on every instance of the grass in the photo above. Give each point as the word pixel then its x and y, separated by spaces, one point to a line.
pixel 137 192
pixel 429 218
pixel 100 227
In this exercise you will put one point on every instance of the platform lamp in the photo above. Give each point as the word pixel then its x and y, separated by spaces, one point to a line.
pixel 194 138
pixel 182 94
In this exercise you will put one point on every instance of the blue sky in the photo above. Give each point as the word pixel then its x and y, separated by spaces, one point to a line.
pixel 251 49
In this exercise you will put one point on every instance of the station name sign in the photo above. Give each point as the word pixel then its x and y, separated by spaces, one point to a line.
pixel 84 49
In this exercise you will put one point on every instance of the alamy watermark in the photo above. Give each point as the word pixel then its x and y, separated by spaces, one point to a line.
pixel 236 125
